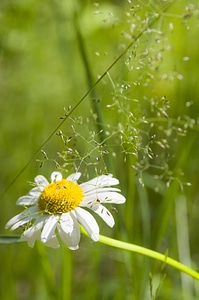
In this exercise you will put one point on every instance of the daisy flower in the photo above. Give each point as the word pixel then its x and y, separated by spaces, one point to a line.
pixel 57 208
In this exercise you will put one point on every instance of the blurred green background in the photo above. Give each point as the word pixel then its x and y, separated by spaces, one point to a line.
pixel 149 108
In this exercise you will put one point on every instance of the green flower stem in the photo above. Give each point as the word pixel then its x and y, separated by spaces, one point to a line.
pixel 147 252
pixel 150 253
pixel 129 247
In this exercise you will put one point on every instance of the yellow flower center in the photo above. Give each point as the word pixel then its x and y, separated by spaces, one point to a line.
pixel 60 197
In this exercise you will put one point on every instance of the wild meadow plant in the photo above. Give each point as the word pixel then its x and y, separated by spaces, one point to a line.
pixel 132 137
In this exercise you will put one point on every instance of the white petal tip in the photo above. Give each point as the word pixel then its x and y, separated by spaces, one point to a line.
pixel 55 176
pixel 74 177
pixel 95 237
pixel 111 225
pixel 74 248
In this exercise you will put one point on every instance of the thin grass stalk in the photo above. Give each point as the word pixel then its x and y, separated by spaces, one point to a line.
pixel 183 242
pixel 93 94
pixel 66 278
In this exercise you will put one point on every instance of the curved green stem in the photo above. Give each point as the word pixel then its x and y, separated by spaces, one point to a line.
pixel 150 253
pixel 129 247
pixel 147 252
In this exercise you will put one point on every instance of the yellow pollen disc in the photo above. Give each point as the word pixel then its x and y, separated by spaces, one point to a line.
pixel 60 197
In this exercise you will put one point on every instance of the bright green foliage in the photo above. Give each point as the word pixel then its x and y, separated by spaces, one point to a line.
pixel 139 122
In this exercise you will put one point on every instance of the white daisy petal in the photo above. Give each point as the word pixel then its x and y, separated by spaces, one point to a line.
pixel 69 231
pixel 20 223
pixel 22 218
pixel 55 176
pixel 107 197
pixel 66 222
pixel 49 228
pixel 100 181
pixel 104 213
pixel 27 200
pixel 30 236
pixel 34 232
pixel 36 191
pixel 53 242
pixel 88 222
pixel 41 181
pixel 98 190
pixel 66 238
pixel 74 177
